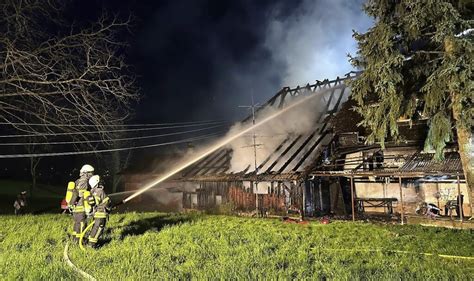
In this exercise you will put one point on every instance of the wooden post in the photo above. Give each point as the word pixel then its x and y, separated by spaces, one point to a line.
pixel 437 194
pixel 255 188
pixel 402 211
pixel 303 205
pixel 460 205
pixel 352 198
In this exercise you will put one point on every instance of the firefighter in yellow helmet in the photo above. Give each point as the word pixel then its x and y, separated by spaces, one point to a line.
pixel 101 210
pixel 76 195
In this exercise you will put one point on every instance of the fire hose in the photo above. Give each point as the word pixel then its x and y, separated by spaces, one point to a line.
pixel 396 251
pixel 83 233
pixel 69 262
pixel 74 267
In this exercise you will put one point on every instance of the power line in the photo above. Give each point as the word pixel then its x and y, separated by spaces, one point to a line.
pixel 109 131
pixel 112 140
pixel 112 125
pixel 10 156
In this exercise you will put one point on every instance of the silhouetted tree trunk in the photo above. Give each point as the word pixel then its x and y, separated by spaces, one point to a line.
pixel 34 162
pixel 119 161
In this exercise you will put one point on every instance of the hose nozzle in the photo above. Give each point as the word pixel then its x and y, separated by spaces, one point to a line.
pixel 114 206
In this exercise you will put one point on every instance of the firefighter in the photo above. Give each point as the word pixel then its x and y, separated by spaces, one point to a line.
pixel 101 210
pixel 76 195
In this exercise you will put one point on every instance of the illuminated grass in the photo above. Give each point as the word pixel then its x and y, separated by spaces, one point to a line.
pixel 156 246
pixel 30 247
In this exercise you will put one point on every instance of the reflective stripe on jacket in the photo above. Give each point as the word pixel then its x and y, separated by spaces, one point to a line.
pixel 86 194
pixel 81 188
pixel 102 203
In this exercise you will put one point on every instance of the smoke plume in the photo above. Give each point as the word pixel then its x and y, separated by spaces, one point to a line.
pixel 301 120
pixel 313 42
pixel 309 43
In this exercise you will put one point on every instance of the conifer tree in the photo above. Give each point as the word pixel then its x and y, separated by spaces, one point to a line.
pixel 418 62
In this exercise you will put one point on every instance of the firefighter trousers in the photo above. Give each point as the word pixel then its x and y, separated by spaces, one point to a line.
pixel 97 230
pixel 79 223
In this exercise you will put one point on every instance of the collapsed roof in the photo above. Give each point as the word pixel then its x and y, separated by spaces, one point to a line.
pixel 287 155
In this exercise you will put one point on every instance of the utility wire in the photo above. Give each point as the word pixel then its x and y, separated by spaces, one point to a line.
pixel 111 140
pixel 112 125
pixel 109 131
pixel 10 156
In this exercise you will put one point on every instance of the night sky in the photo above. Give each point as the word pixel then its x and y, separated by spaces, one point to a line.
pixel 200 60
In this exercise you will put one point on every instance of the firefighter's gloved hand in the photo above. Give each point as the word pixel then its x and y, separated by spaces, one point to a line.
pixel 111 208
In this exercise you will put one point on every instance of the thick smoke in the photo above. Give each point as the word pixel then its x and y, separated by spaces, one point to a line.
pixel 310 43
pixel 288 44
pixel 209 57
pixel 302 119
pixel 241 49
pixel 313 42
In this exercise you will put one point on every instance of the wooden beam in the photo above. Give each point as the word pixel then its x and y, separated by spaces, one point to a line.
pixel 297 152
pixel 460 203
pixel 401 200
pixel 269 169
pixel 303 207
pixel 273 153
pixel 352 198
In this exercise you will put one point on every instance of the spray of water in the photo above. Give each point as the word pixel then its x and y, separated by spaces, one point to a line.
pixel 122 193
pixel 216 147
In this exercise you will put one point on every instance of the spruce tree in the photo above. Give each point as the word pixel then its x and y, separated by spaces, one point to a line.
pixel 418 61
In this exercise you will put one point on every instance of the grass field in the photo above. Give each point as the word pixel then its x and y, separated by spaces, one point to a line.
pixel 163 246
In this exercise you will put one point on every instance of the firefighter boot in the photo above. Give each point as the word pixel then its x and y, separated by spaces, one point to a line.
pixel 96 232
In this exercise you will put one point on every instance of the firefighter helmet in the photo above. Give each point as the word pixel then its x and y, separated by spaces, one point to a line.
pixel 94 181
pixel 87 169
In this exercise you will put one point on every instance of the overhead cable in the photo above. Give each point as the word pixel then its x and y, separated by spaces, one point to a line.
pixel 113 125
pixel 111 140
pixel 30 155
pixel 109 131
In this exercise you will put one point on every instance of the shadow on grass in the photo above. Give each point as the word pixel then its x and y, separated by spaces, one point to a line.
pixel 139 227
pixel 155 223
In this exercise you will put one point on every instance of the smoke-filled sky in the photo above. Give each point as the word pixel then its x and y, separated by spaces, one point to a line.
pixel 201 59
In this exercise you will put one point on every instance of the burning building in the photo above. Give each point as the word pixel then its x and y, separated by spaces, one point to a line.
pixel 313 161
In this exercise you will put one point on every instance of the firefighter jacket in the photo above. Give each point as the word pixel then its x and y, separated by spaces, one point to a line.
pixel 101 203
pixel 77 195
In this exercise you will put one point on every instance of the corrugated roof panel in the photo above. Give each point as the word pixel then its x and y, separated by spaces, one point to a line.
pixel 426 163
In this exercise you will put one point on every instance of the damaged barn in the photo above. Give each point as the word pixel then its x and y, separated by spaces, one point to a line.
pixel 272 177
pixel 313 161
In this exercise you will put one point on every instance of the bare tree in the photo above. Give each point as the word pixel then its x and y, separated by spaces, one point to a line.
pixel 64 76
pixel 118 161
pixel 34 162
pixel 58 74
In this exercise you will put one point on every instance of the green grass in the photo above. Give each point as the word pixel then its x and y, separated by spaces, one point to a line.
pixel 162 246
